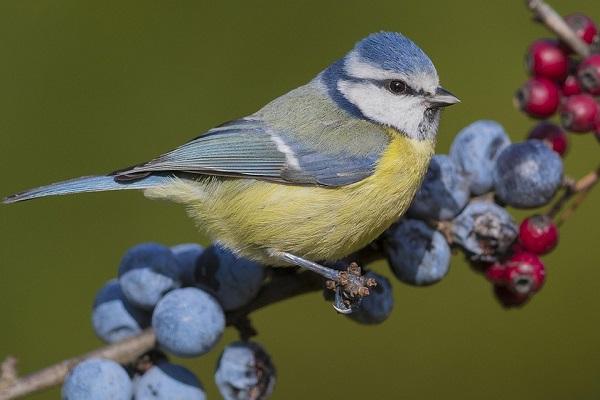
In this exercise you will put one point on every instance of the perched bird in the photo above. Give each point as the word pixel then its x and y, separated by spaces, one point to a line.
pixel 317 173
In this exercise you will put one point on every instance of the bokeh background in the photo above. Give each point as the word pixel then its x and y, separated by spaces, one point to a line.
pixel 88 87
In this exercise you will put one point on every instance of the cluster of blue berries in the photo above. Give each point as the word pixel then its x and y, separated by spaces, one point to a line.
pixel 183 293
pixel 461 205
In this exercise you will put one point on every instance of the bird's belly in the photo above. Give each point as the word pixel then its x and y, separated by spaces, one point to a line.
pixel 316 223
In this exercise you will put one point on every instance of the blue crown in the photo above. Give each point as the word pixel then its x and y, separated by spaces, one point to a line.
pixel 390 51
pixel 394 52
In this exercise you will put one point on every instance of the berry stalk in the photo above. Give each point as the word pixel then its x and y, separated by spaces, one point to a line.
pixel 554 22
pixel 581 188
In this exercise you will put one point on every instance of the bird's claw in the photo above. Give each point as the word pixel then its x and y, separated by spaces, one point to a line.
pixel 343 304
pixel 350 288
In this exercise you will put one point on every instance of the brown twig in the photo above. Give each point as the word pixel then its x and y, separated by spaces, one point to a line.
pixel 122 352
pixel 283 284
pixel 554 22
pixel 580 188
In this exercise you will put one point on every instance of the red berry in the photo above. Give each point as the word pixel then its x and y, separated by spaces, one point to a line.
pixel 525 273
pixel 571 86
pixel 509 299
pixel 522 274
pixel 545 58
pixel 583 26
pixel 553 135
pixel 495 273
pixel 579 113
pixel 538 97
pixel 588 74
pixel 538 234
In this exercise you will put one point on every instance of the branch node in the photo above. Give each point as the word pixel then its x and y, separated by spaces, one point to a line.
pixel 8 372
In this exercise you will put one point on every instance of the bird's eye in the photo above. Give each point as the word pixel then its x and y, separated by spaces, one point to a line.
pixel 397 87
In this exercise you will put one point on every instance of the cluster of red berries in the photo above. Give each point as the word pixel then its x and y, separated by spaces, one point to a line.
pixel 522 274
pixel 561 82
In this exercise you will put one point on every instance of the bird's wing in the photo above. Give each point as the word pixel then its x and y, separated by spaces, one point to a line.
pixel 249 148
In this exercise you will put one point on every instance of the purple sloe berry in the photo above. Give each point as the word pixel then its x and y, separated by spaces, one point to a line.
pixel 166 381
pixel 147 272
pixel 444 191
pixel 97 379
pixel 187 255
pixel 234 280
pixel 527 174
pixel 188 322
pixel 475 150
pixel 113 318
pixel 377 306
pixel 417 254
pixel 484 230
pixel 245 371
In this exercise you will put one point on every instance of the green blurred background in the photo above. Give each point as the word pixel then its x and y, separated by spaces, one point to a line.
pixel 88 87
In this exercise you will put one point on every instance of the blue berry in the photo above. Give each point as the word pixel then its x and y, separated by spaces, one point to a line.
pixel 245 372
pixel 97 379
pixel 417 254
pixel 377 306
pixel 167 381
pixel 234 280
pixel 475 150
pixel 113 317
pixel 188 322
pixel 527 174
pixel 147 272
pixel 444 191
pixel 485 230
pixel 187 255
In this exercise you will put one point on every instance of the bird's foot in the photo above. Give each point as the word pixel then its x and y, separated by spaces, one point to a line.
pixel 350 287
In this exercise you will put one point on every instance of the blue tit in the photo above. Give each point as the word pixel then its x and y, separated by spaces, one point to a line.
pixel 317 173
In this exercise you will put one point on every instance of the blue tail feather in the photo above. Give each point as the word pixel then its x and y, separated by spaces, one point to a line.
pixel 88 184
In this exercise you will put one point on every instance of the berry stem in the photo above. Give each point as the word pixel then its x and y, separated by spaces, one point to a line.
pixel 581 188
pixel 554 22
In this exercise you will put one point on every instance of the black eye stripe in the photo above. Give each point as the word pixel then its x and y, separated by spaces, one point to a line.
pixel 409 91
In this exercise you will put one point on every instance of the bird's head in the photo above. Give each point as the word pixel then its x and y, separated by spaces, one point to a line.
pixel 388 79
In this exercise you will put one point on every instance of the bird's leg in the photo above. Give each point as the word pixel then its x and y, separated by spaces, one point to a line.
pixel 349 285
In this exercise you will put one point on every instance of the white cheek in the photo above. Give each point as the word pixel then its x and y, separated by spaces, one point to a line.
pixel 404 113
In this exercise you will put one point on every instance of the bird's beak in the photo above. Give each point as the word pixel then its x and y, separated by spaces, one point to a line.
pixel 443 98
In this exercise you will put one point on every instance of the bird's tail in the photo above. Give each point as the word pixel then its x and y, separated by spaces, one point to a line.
pixel 90 184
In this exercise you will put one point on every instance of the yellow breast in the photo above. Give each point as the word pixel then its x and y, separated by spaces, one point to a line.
pixel 317 223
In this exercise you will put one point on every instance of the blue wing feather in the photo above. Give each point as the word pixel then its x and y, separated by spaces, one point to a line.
pixel 246 148
pixel 88 184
